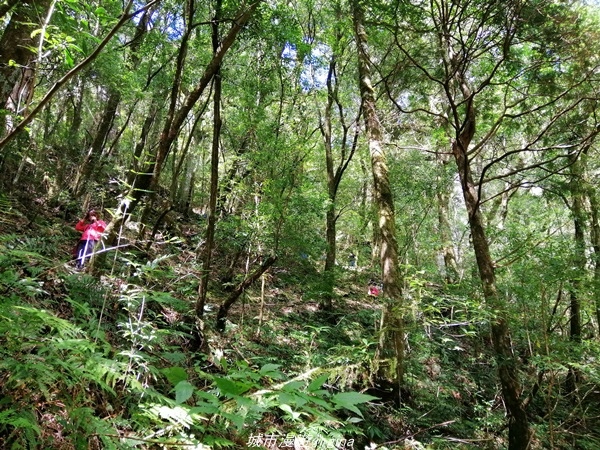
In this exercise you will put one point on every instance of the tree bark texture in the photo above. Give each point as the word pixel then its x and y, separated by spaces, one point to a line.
pixel 595 239
pixel 579 263
pixel 214 176
pixel 16 45
pixel 392 338
pixel 519 433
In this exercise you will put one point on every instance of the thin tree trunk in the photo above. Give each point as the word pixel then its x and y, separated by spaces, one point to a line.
pixel 334 173
pixel 214 176
pixel 392 321
pixel 92 158
pixel 331 220
pixel 261 312
pixel 445 232
pixel 239 290
pixel 595 238
pixel 579 264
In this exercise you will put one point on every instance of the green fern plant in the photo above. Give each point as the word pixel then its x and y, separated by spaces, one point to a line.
pixel 52 376
pixel 234 405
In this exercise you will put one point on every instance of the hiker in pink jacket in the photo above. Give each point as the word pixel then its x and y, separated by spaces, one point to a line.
pixel 91 228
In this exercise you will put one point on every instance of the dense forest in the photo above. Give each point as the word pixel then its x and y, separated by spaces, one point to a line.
pixel 369 224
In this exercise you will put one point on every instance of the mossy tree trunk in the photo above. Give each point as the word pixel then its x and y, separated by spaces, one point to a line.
pixel 392 330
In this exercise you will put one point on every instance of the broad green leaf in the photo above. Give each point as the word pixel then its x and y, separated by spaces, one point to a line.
pixel 317 383
pixel 354 420
pixel 212 398
pixel 204 408
pixel 349 400
pixel 183 391
pixel 291 399
pixel 236 419
pixel 293 386
pixel 271 371
pixel 319 401
pixel 34 33
pixel 175 374
pixel 231 388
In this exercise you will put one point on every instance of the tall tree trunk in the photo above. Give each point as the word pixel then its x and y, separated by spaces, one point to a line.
pixel 92 157
pixel 595 239
pixel 334 174
pixel 17 44
pixel 148 180
pixel 519 433
pixel 579 263
pixel 445 232
pixel 331 220
pixel 392 336
pixel 214 174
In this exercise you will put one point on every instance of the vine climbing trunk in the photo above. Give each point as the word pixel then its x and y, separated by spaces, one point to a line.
pixel 392 330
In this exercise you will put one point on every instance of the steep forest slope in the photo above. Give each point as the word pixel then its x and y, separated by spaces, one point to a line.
pixel 324 224
pixel 109 358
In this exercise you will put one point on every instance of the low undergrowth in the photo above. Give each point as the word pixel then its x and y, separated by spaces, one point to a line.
pixel 109 361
